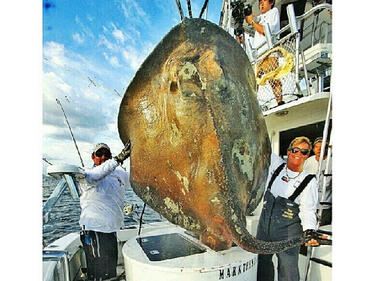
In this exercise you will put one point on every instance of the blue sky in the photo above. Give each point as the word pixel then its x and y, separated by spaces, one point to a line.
pixel 91 50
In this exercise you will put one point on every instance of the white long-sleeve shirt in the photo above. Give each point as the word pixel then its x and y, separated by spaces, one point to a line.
pixel 272 18
pixel 311 166
pixel 307 200
pixel 102 198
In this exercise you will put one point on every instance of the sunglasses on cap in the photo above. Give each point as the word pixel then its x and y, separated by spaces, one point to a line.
pixel 101 152
pixel 296 149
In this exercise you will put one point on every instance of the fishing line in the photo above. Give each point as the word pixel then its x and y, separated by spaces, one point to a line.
pixel 70 129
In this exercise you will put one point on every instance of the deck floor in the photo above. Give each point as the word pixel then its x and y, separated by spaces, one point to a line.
pixel 120 275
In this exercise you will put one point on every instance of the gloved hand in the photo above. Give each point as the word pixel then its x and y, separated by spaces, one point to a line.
pixel 125 153
pixel 311 238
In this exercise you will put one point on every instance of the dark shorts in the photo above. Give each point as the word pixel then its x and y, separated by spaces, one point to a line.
pixel 101 254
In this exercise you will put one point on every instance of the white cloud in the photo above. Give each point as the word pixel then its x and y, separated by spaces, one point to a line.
pixel 103 41
pixel 64 151
pixel 134 57
pixel 57 57
pixel 133 12
pixel 78 38
pixel 55 53
pixel 89 18
pixel 68 76
pixel 53 83
pixel 86 30
pixel 91 95
pixel 118 34
pixel 134 34
pixel 113 60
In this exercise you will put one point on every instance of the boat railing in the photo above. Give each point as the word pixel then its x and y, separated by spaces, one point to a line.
pixel 68 178
pixel 276 70
pixel 316 47
pixel 317 22
pixel 306 40
pixel 297 59
pixel 61 272
pixel 66 174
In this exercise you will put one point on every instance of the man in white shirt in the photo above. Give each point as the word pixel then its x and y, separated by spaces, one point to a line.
pixel 102 202
pixel 289 210
pixel 311 166
pixel 269 16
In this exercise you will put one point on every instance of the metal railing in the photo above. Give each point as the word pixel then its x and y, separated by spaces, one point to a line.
pixel 62 257
pixel 278 69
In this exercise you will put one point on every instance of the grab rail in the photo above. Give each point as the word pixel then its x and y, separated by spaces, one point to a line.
pixel 313 10
pixel 59 256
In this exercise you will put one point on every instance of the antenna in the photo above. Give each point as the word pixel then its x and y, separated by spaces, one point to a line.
pixel 70 129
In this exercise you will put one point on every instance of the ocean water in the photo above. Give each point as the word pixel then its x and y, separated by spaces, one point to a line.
pixel 65 214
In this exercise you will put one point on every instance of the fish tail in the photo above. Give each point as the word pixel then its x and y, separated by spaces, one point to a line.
pixel 249 243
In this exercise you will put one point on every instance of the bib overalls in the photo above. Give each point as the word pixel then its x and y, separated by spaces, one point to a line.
pixel 278 221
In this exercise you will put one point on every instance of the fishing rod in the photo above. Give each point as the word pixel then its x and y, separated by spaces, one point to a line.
pixel 70 129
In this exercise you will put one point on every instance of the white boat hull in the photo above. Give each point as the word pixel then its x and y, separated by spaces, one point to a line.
pixel 232 264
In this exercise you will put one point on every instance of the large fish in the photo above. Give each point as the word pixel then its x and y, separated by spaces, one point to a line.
pixel 200 149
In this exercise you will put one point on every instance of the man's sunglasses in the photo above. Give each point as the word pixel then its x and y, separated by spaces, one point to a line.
pixel 102 152
pixel 296 149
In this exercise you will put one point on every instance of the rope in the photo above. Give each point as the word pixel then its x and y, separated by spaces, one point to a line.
pixel 189 8
pixel 180 9
pixel 203 8
pixel 280 71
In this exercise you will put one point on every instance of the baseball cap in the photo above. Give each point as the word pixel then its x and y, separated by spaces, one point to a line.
pixel 99 146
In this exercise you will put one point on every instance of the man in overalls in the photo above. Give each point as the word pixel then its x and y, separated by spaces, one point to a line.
pixel 289 210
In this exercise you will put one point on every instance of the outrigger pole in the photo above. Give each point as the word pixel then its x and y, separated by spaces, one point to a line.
pixel 180 9
pixel 203 8
pixel 70 129
pixel 189 8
